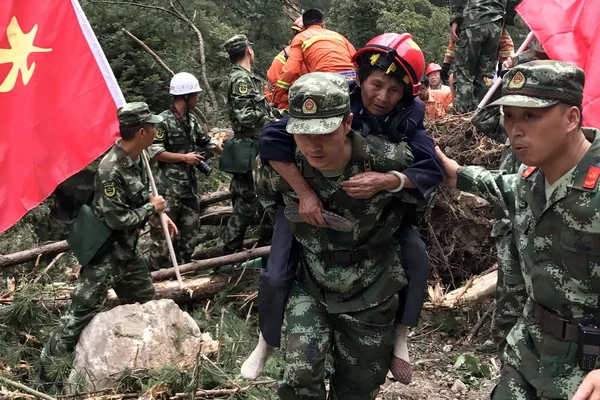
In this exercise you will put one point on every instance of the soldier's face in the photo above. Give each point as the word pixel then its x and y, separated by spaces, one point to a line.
pixel 539 136
pixel 326 151
pixel 380 93
pixel 434 78
pixel 192 100
pixel 147 134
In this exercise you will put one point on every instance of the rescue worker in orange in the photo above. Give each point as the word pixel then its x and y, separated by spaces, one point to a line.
pixel 439 100
pixel 277 66
pixel 317 50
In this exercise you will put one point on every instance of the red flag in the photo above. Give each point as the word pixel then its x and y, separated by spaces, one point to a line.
pixel 568 31
pixel 58 98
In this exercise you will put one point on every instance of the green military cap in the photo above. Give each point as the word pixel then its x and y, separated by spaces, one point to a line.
pixel 136 114
pixel 236 44
pixel 318 102
pixel 540 84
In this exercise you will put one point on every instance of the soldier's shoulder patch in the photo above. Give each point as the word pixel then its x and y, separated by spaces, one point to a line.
pixel 160 133
pixel 109 189
pixel 243 88
pixel 591 178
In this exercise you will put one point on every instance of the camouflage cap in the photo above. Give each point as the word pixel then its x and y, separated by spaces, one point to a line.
pixel 318 102
pixel 136 114
pixel 236 44
pixel 540 84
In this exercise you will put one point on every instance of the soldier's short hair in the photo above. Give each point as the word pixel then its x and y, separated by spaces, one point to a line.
pixel 128 132
pixel 314 16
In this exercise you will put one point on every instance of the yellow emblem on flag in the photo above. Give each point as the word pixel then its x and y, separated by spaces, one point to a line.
pixel 160 133
pixel 243 88
pixel 109 189
pixel 21 45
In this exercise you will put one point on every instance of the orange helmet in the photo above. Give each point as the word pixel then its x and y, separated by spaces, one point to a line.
pixel 433 67
pixel 399 50
pixel 298 25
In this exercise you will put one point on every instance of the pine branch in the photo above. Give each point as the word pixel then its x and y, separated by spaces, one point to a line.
pixel 26 389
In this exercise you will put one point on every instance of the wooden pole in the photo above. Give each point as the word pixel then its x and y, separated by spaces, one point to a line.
pixel 163 222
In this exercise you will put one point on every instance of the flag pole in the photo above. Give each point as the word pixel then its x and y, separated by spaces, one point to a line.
pixel 498 82
pixel 163 222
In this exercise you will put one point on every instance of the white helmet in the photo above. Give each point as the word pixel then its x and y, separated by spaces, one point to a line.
pixel 184 83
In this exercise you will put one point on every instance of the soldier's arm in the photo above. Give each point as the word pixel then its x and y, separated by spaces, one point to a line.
pixel 489 121
pixel 426 172
pixel 497 187
pixel 113 206
pixel 456 10
pixel 158 145
pixel 243 101
pixel 290 71
pixel 206 142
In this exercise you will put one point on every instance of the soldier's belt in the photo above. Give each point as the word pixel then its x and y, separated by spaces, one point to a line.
pixel 334 221
pixel 358 255
pixel 553 325
pixel 247 133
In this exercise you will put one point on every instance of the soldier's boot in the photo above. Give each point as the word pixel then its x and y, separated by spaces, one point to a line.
pixel 253 367
pixel 400 366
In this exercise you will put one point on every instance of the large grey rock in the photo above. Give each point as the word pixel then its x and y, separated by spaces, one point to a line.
pixel 138 336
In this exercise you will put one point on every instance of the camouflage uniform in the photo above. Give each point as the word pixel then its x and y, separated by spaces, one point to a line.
pixel 178 182
pixel 480 23
pixel 509 290
pixel 558 242
pixel 249 111
pixel 121 192
pixel 345 298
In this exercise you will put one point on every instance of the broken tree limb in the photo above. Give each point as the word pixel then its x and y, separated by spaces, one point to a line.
pixel 212 262
pixel 480 288
pixel 217 251
pixel 204 287
pixel 148 50
pixel 211 214
pixel 26 389
pixel 30 254
pixel 215 215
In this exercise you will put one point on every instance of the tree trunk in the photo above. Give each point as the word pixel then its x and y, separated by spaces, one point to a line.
pixel 217 251
pixel 31 254
pixel 212 263
pixel 476 289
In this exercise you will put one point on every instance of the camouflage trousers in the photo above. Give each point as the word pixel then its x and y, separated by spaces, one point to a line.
pixel 131 281
pixel 509 298
pixel 476 59
pixel 185 213
pixel 246 207
pixel 537 365
pixel 361 344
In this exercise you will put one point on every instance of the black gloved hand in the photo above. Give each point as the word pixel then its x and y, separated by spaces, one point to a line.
pixel 445 72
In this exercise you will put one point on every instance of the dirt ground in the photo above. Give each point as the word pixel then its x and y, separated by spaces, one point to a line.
pixel 434 353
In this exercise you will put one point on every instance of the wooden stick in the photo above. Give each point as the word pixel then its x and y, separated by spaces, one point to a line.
pixel 148 50
pixel 212 262
pixel 26 389
pixel 163 222
pixel 52 263
pixel 480 323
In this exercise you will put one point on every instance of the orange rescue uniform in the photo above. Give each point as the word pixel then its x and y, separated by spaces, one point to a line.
pixel 273 73
pixel 315 49
pixel 438 103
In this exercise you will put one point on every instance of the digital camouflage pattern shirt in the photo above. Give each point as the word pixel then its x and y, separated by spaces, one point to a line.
pixel 470 13
pixel 353 286
pixel 247 105
pixel 121 193
pixel 178 135
pixel 558 244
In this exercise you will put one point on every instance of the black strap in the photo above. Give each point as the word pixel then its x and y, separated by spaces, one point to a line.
pixel 552 324
pixel 353 256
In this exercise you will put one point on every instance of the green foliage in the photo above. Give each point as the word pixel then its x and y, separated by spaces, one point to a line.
pixel 471 370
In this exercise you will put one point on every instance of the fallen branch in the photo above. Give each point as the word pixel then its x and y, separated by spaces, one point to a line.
pixel 482 287
pixel 479 324
pixel 217 251
pixel 52 264
pixel 26 389
pixel 209 215
pixel 212 263
pixel 148 50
